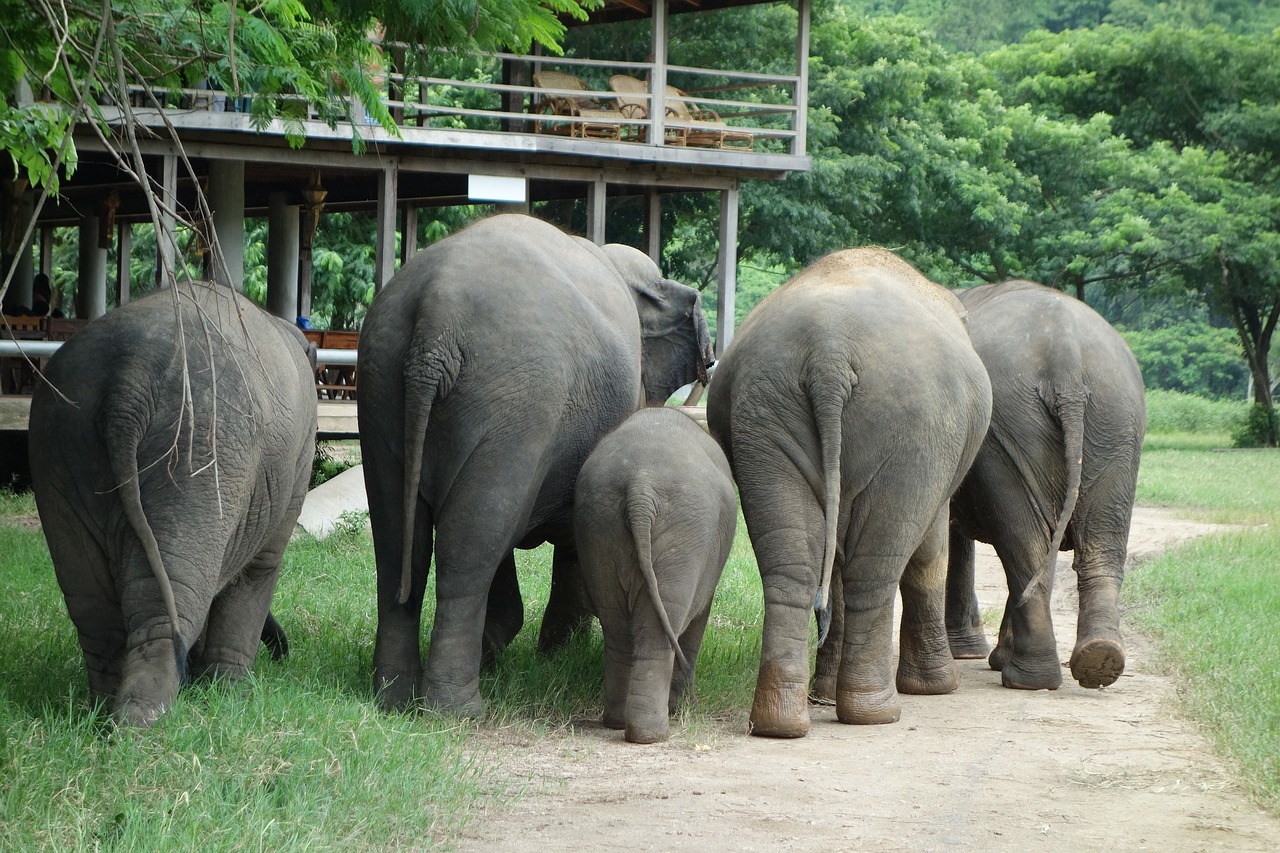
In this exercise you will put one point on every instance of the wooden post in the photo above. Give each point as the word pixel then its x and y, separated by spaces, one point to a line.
pixel 124 248
pixel 653 224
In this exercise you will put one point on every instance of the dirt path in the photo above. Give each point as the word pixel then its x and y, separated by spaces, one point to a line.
pixel 981 769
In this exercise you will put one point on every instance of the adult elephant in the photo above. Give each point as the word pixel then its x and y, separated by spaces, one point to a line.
pixel 850 405
pixel 171 450
pixel 490 366
pixel 1058 470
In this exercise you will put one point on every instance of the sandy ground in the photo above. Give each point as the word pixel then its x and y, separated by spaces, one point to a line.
pixel 984 768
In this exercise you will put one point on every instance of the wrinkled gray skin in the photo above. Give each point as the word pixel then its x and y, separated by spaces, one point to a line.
pixel 1058 470
pixel 167 524
pixel 850 405
pixel 490 366
pixel 654 517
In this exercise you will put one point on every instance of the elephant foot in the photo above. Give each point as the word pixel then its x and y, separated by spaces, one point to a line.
pixel 613 720
pixel 823 690
pixel 1097 662
pixel 650 732
pixel 868 708
pixel 934 681
pixel 1001 655
pixel 455 701
pixel 968 645
pixel 1018 676
pixel 556 634
pixel 395 693
pixel 138 714
pixel 781 705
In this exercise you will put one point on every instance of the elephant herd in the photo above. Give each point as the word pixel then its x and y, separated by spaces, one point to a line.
pixel 873 425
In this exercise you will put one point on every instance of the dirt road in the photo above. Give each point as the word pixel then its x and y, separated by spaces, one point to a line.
pixel 983 768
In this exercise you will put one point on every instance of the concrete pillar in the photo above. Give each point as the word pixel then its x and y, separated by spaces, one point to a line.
pixel 653 225
pixel 596 212
pixel 385 253
pixel 409 234
pixel 226 202
pixel 283 244
pixel 727 261
pixel 19 292
pixel 166 233
pixel 91 282
pixel 124 249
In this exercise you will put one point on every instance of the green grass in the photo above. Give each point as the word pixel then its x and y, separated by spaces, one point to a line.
pixel 1214 605
pixel 297 757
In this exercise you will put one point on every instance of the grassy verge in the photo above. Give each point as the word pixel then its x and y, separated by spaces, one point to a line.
pixel 1214 605
pixel 297 757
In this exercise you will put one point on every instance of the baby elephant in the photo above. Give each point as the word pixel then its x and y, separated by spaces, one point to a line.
pixel 170 451
pixel 654 516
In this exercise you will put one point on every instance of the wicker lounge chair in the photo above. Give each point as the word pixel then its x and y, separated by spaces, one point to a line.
pixel 684 124
pixel 593 119
pixel 705 127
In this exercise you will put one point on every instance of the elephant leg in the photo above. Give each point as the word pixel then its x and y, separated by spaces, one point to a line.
pixel 274 638
pixel 236 618
pixel 85 575
pixel 1098 657
pixel 786 534
pixel 504 613
pixel 925 664
pixel 649 688
pixel 879 549
pixel 1033 662
pixel 827 666
pixel 690 646
pixel 1003 651
pixel 567 609
pixel 617 667
pixel 965 631
pixel 397 659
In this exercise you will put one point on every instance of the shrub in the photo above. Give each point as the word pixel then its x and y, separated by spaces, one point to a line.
pixel 1175 411
pixel 1258 428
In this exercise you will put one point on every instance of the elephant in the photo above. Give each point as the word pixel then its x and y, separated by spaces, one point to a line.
pixel 1057 471
pixel 654 516
pixel 849 406
pixel 171 450
pixel 490 365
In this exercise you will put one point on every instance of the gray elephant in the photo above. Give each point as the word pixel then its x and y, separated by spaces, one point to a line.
pixel 490 366
pixel 171 450
pixel 1058 470
pixel 850 405
pixel 654 517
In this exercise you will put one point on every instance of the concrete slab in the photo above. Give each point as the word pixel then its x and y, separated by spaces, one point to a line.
pixel 325 504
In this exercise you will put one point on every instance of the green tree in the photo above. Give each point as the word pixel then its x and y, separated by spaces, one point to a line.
pixel 1198 212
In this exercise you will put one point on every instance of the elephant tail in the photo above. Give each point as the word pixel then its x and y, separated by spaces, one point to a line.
pixel 430 368
pixel 1070 414
pixel 124 465
pixel 642 509
pixel 829 385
